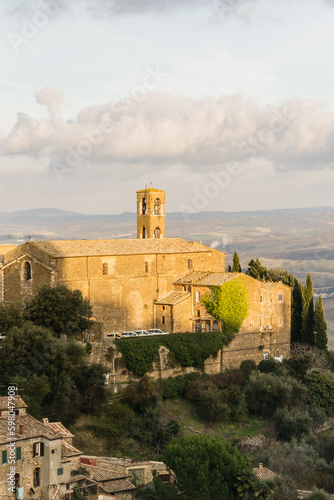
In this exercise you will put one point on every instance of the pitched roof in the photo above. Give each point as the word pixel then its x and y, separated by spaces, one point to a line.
pixel 173 298
pixel 117 486
pixel 17 402
pixel 206 279
pixel 59 428
pixel 77 248
pixel 101 474
pixel 67 450
pixel 264 474
pixel 31 428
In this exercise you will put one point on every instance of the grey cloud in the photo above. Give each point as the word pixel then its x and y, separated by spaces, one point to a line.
pixel 162 130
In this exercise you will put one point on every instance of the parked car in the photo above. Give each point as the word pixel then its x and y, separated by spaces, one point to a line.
pixel 2 336
pixel 114 336
pixel 129 334
pixel 157 331
pixel 141 332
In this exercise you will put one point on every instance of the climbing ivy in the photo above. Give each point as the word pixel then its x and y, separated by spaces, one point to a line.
pixel 228 303
pixel 189 349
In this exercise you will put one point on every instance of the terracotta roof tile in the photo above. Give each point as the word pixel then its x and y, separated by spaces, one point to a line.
pixel 59 428
pixel 101 474
pixel 67 450
pixel 264 474
pixel 76 248
pixel 31 428
pixel 174 298
pixel 190 278
pixel 17 402
pixel 206 279
pixel 116 486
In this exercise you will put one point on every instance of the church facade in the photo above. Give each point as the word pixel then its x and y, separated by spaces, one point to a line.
pixel 148 282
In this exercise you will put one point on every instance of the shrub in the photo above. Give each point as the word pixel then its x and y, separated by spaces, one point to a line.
pixel 143 394
pixel 173 387
pixel 231 377
pixel 319 494
pixel 266 392
pixel 270 366
pixel 294 423
pixel 321 390
pixel 248 366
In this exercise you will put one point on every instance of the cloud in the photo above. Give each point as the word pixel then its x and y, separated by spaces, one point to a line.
pixel 158 130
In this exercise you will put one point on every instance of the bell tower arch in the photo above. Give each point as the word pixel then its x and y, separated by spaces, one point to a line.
pixel 150 213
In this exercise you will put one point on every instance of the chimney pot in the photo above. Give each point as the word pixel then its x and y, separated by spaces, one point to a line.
pixel 21 429
pixel 260 465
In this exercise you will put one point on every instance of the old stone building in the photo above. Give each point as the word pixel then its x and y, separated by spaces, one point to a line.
pixel 37 458
pixel 149 282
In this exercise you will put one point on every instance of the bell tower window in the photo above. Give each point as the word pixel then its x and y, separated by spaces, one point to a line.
pixel 143 206
pixel 157 232
pixel 144 232
pixel 157 205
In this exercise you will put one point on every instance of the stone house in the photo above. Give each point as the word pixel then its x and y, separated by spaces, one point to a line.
pixel 36 462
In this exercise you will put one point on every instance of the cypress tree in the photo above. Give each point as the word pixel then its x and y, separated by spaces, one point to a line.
pixel 320 325
pixel 236 263
pixel 297 312
pixel 229 268
pixel 308 312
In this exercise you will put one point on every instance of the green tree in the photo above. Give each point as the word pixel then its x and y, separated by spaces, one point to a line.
pixel 320 325
pixel 308 312
pixel 297 312
pixel 10 316
pixel 321 390
pixel 60 309
pixel 229 304
pixel 236 263
pixel 206 467
pixel 256 270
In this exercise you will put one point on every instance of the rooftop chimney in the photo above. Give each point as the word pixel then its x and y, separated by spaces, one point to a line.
pixel 260 465
pixel 21 429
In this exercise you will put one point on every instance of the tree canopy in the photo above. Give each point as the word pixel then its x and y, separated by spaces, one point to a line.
pixel 60 309
pixel 206 467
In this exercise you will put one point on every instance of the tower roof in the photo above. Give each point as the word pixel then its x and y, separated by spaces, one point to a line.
pixel 150 190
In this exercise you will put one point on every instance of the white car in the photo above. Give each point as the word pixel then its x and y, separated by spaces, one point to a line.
pixel 114 336
pixel 141 332
pixel 2 336
pixel 129 334
pixel 157 331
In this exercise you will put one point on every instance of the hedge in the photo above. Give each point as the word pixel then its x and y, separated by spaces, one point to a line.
pixel 190 349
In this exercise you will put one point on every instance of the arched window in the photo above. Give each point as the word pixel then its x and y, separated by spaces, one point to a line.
pixel 144 232
pixel 37 477
pixel 143 206
pixel 17 479
pixel 157 232
pixel 157 205
pixel 27 271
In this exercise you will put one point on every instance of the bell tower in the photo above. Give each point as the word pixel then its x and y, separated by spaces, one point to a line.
pixel 150 213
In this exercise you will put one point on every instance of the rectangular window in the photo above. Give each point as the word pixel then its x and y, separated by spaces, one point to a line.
pixel 190 263
pixel 38 450
pixel 198 326
pixel 280 321
pixel 60 472
pixel 198 313
pixel 280 297
pixel 146 267
pixel 215 326
pixel 250 325
pixel 265 355
pixel 105 268
pixel 4 457
pixel 198 296
pixel 163 320
pixel 260 321
pixel 261 298
pixel 18 453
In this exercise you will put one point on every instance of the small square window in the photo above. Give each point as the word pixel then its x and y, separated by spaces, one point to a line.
pixel 280 297
pixel 54 451
pixel 60 472
pixel 265 355
pixel 105 268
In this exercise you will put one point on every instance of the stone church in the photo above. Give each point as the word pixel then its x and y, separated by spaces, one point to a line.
pixel 149 282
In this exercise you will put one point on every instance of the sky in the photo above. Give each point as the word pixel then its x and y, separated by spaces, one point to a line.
pixel 224 104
